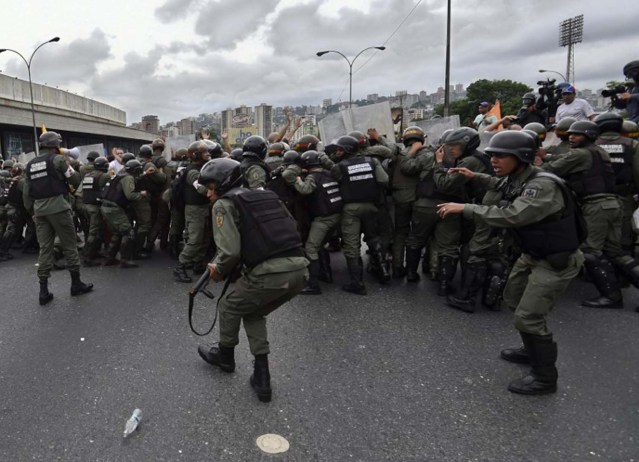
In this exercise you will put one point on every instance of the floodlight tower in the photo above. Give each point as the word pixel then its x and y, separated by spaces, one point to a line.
pixel 571 31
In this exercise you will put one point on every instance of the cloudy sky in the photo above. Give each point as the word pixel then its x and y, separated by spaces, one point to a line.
pixel 177 58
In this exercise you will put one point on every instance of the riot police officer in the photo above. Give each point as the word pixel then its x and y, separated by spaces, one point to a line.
pixel 270 255
pixel 92 185
pixel 255 172
pixel 120 192
pixel 543 217
pixel 360 179
pixel 324 207
pixel 45 195
pixel 196 213
pixel 624 156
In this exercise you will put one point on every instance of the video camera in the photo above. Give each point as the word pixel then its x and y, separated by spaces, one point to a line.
pixel 613 94
pixel 549 96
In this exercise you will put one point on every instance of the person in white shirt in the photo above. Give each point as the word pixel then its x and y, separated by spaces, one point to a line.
pixel 116 164
pixel 574 107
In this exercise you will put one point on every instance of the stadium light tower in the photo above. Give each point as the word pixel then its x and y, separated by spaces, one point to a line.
pixel 571 31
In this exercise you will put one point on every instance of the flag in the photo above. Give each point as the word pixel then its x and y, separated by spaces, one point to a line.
pixel 44 129
pixel 496 112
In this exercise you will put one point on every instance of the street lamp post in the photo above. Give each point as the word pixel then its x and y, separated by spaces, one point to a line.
pixel 350 68
pixel 554 72
pixel 28 63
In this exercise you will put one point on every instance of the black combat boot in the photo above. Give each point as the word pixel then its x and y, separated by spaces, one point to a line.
pixel 180 274
pixel 517 355
pixel 45 296
pixel 542 378
pixel 218 355
pixel 312 287
pixel 413 255
pixel 631 272
pixel 112 251
pixel 472 283
pixel 91 257
pixel 325 271
pixel 126 253
pixel 174 246
pixel 380 264
pixel 261 378
pixel 356 273
pixel 77 286
pixel 447 267
pixel 495 281
pixel 603 276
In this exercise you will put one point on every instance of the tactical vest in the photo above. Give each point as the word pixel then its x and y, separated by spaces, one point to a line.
pixel 44 181
pixel 113 192
pixel 267 230
pixel 326 199
pixel 5 185
pixel 599 179
pixel 556 233
pixel 621 153
pixel 426 189
pixel 358 182
pixel 249 161
pixel 15 195
pixel 191 196
pixel 278 185
pixel 91 192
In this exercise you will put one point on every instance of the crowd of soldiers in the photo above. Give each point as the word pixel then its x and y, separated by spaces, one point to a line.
pixel 445 205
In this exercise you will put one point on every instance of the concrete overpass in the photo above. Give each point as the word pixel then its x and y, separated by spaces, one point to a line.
pixel 81 121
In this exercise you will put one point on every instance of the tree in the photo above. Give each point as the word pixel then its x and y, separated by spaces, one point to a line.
pixel 508 92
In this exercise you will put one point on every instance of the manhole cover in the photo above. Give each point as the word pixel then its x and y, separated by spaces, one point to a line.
pixel 272 444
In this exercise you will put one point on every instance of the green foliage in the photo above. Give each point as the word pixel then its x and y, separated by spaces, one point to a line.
pixel 507 91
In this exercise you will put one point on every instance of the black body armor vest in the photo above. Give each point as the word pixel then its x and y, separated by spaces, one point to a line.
pixel 91 193
pixel 191 196
pixel 267 229
pixel 600 179
pixel 113 192
pixel 326 199
pixel 44 181
pixel 621 157
pixel 358 180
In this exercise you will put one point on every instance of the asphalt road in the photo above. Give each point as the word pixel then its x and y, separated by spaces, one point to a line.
pixel 392 376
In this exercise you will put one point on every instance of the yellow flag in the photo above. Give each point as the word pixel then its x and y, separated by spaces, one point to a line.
pixel 44 129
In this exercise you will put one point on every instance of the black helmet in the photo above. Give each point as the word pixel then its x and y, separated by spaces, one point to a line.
pixel 291 157
pixel 630 129
pixel 101 164
pixel 516 143
pixel 631 70
pixel 609 122
pixel 310 159
pixel 538 128
pixel 127 156
pixel 181 153
pixel 255 145
pixel 533 135
pixel 348 144
pixel 585 127
pixel 92 156
pixel 306 143
pixel 561 129
pixel 215 150
pixel 528 99
pixel 277 149
pixel 413 134
pixel 445 135
pixel 466 137
pixel 225 173
pixel 146 151
pixel 134 167
pixel 197 148
pixel 158 143
pixel 236 154
pixel 361 139
pixel 50 140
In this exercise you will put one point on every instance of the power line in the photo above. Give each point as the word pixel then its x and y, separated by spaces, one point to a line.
pixel 383 44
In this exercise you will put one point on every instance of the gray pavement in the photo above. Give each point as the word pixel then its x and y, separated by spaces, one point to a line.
pixel 393 376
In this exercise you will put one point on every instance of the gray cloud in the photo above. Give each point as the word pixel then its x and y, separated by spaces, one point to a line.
pixel 173 10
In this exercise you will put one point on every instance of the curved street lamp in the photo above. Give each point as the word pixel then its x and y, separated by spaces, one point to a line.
pixel 350 67
pixel 28 63
pixel 554 72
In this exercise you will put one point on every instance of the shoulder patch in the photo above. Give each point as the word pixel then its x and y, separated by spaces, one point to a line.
pixel 530 193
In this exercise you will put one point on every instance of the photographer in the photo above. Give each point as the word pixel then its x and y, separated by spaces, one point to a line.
pixel 529 112
pixel 631 97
